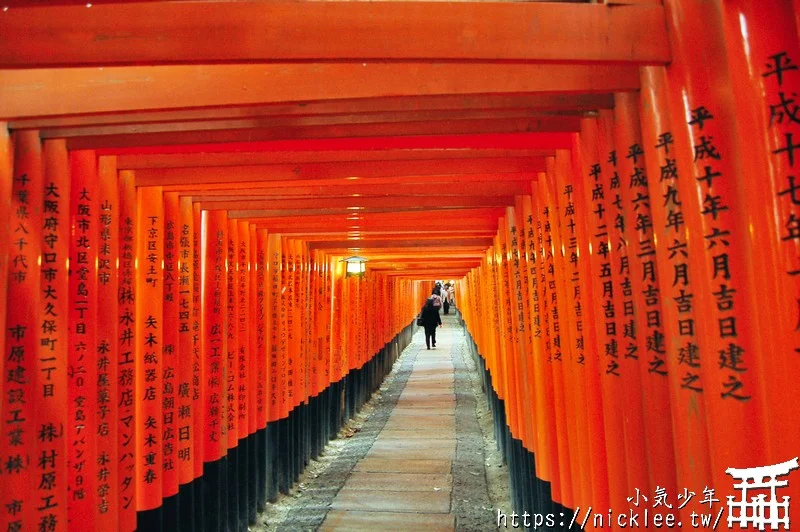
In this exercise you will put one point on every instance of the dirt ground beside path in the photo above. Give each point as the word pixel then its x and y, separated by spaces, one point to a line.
pixel 480 480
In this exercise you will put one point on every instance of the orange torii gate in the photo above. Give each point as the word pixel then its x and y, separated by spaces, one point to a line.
pixel 611 186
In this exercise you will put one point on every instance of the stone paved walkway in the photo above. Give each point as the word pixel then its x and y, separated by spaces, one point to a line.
pixel 424 470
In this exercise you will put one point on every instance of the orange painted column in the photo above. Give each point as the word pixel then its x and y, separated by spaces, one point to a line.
pixel 187 413
pixel 262 322
pixel 569 192
pixel 628 330
pixel 22 334
pixel 149 343
pixel 521 305
pixel 536 353
pixel 279 407
pixel 170 358
pixel 704 118
pixel 6 180
pixel 108 319
pixel 561 486
pixel 546 417
pixel 244 366
pixel 231 382
pixel 199 368
pixel 563 353
pixel 687 407
pixel 288 345
pixel 658 448
pixel 763 55
pixel 508 339
pixel 592 368
pixel 596 145
pixel 213 252
pixel 126 366
pixel 82 397
pixel 50 378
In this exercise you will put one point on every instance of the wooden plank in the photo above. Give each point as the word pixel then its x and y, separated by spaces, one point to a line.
pixel 360 203
pixel 193 160
pixel 335 170
pixel 483 141
pixel 531 102
pixel 451 127
pixel 54 91
pixel 513 181
pixel 278 210
pixel 172 32
pixel 545 121
pixel 355 189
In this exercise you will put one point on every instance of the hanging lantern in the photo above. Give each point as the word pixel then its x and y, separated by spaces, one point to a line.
pixel 356 266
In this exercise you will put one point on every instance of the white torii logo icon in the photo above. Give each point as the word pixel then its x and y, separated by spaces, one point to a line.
pixel 760 511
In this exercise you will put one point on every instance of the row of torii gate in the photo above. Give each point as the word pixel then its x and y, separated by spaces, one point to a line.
pixel 612 186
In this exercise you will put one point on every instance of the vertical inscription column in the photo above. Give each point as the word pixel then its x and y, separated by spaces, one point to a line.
pixel 22 338
pixel 126 369
pixel 50 391
pixel 107 346
pixel 83 340
pixel 149 345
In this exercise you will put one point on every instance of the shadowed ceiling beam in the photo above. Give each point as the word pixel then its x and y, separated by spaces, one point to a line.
pixel 396 129
pixel 192 32
pixel 336 170
pixel 58 91
pixel 530 102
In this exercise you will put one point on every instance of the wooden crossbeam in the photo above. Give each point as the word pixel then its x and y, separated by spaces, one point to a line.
pixel 216 31
pixel 335 170
pixel 442 127
pixel 58 91
pixel 194 160
pixel 359 203
pixel 530 102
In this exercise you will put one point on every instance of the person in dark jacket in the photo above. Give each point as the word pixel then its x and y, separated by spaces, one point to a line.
pixel 430 320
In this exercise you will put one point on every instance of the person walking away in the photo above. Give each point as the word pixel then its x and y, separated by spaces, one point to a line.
pixel 437 297
pixel 430 321
pixel 446 299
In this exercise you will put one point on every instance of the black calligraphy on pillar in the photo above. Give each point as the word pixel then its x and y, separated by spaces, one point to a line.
pixel 644 248
pixel 715 212
pixel 126 376
pixel 602 249
pixel 679 290
pixel 52 359
pixel 785 117
pixel 184 392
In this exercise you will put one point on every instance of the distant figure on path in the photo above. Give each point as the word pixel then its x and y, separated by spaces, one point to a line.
pixel 430 320
pixel 437 296
pixel 446 298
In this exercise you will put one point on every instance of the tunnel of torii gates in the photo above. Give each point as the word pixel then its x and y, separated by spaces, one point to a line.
pixel 612 188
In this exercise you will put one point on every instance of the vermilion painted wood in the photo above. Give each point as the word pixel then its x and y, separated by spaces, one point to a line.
pixel 483 141
pixel 542 120
pixel 532 102
pixel 50 91
pixel 356 190
pixel 359 203
pixel 148 346
pixel 53 365
pixel 334 170
pixel 221 31
pixel 6 179
pixel 107 218
pixel 193 135
pixel 755 33
pixel 687 410
pixel 22 328
pixel 83 348
pixel 194 160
